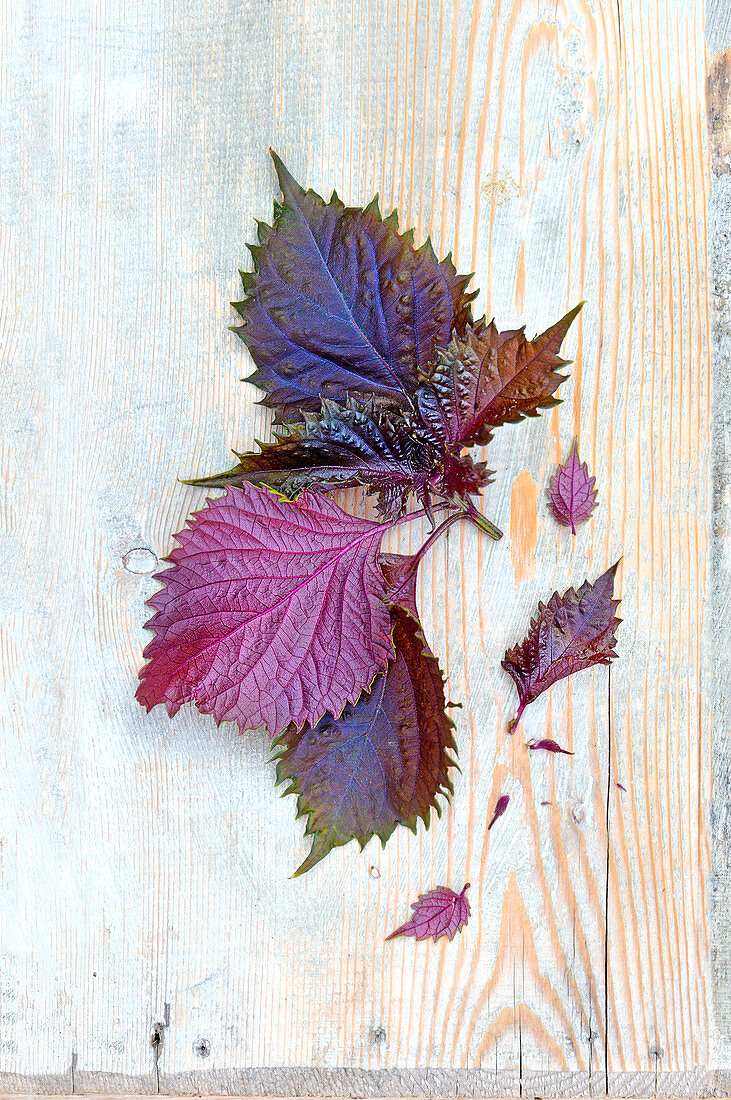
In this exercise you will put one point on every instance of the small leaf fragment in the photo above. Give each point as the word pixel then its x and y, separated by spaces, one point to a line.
pixel 500 807
pixel 547 744
pixel 401 571
pixel 440 912
pixel 569 633
pixel 572 496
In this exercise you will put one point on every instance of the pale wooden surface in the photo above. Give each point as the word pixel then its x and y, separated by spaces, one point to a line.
pixel 560 149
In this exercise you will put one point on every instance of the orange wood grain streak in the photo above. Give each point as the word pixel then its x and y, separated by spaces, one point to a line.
pixel 523 526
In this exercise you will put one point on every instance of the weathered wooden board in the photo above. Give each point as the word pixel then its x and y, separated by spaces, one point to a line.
pixel 718 33
pixel 559 149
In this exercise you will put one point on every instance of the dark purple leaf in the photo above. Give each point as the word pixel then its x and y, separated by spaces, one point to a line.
pixel 360 443
pixel 441 912
pixel 340 303
pixel 572 496
pixel 400 571
pixel 622 788
pixel 487 378
pixel 382 762
pixel 570 632
pixel 500 807
pixel 271 612
pixel 548 745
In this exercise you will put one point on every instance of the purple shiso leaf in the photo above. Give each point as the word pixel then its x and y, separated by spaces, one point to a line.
pixel 359 443
pixel 440 912
pixel 572 496
pixel 340 302
pixel 569 633
pixel 263 595
pixel 486 378
pixel 500 807
pixel 382 762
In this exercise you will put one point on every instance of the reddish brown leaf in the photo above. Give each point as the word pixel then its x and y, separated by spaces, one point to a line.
pixel 570 632
pixel 400 571
pixel 489 378
pixel 380 763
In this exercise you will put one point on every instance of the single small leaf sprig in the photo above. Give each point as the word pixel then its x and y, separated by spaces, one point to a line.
pixel 571 492
pixel 569 633
pixel 440 912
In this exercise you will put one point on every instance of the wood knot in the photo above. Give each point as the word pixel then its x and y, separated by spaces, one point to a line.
pixel 140 560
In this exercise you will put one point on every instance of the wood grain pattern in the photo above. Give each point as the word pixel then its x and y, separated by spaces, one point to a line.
pixel 559 148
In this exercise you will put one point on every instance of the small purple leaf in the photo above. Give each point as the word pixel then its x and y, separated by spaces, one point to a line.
pixel 547 744
pixel 441 912
pixel 500 807
pixel 570 632
pixel 572 496
pixel 622 788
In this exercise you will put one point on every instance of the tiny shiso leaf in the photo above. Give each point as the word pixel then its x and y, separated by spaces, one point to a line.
pixel 441 912
pixel 547 745
pixel 487 378
pixel 571 492
pixel 569 633
pixel 361 443
pixel 500 807
pixel 379 764
pixel 272 613
pixel 340 302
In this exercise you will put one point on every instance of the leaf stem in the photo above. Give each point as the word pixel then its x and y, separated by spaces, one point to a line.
pixel 468 511
pixel 438 532
pixel 480 521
